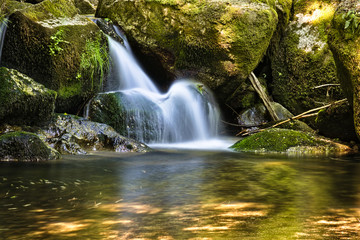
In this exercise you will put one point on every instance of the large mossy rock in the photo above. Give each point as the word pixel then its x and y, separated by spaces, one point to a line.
pixel 24 101
pixel 344 41
pixel 302 60
pixel 289 141
pixel 75 135
pixel 25 146
pixel 216 42
pixel 56 47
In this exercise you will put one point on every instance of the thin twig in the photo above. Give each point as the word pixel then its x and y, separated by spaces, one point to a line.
pixel 327 85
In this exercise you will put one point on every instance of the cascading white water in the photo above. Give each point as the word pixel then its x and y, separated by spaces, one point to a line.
pixel 187 112
pixel 3 27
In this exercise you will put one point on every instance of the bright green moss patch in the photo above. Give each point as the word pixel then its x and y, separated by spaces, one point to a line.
pixel 94 62
pixel 275 140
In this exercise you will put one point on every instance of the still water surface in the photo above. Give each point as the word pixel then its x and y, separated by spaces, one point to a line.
pixel 173 194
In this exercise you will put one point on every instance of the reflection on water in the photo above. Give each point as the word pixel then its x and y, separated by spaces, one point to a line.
pixel 181 195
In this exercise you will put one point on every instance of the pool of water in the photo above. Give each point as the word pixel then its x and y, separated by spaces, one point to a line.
pixel 178 194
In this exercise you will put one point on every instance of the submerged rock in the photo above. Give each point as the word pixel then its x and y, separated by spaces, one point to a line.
pixel 24 101
pixel 215 42
pixel 56 47
pixel 344 41
pixel 289 141
pixel 302 60
pixel 75 135
pixel 25 146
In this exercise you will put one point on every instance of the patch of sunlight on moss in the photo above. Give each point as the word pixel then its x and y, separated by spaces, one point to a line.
pixel 70 90
pixel 319 12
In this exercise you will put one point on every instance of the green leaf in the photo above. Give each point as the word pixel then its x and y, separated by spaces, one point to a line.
pixel 347 24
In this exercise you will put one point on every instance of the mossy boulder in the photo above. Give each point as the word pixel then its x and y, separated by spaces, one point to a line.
pixel 289 141
pixel 24 101
pixel 302 60
pixel 215 42
pixel 25 146
pixel 85 6
pixel 344 41
pixel 56 47
pixel 75 135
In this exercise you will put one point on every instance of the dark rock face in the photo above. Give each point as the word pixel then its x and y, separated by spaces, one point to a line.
pixel 337 122
pixel 75 135
pixel 25 146
pixel 24 101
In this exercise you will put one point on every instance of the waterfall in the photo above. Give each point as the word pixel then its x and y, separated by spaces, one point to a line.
pixel 3 27
pixel 187 112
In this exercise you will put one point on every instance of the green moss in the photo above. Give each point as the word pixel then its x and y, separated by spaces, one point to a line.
pixel 94 62
pixel 277 140
pixel 56 40
pixel 51 9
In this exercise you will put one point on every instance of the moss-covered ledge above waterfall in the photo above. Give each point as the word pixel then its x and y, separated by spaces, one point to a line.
pixel 218 42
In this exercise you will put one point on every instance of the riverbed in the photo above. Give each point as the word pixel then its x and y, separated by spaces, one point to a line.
pixel 181 194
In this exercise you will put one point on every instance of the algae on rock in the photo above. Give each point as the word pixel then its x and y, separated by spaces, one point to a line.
pixel 288 141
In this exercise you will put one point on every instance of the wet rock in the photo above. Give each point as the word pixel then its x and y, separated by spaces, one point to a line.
pixel 344 41
pixel 75 135
pixel 25 146
pixel 58 48
pixel 289 141
pixel 110 108
pixel 24 101
pixel 301 59
pixel 258 115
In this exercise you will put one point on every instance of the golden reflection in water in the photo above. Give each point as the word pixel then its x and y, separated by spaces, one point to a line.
pixel 199 219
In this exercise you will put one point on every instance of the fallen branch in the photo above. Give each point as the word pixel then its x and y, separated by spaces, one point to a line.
pixel 308 113
pixel 263 95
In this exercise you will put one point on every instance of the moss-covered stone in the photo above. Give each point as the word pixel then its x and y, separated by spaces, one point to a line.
pixel 218 42
pixel 302 60
pixel 85 6
pixel 25 146
pixel 51 44
pixel 22 100
pixel 285 140
pixel 345 44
